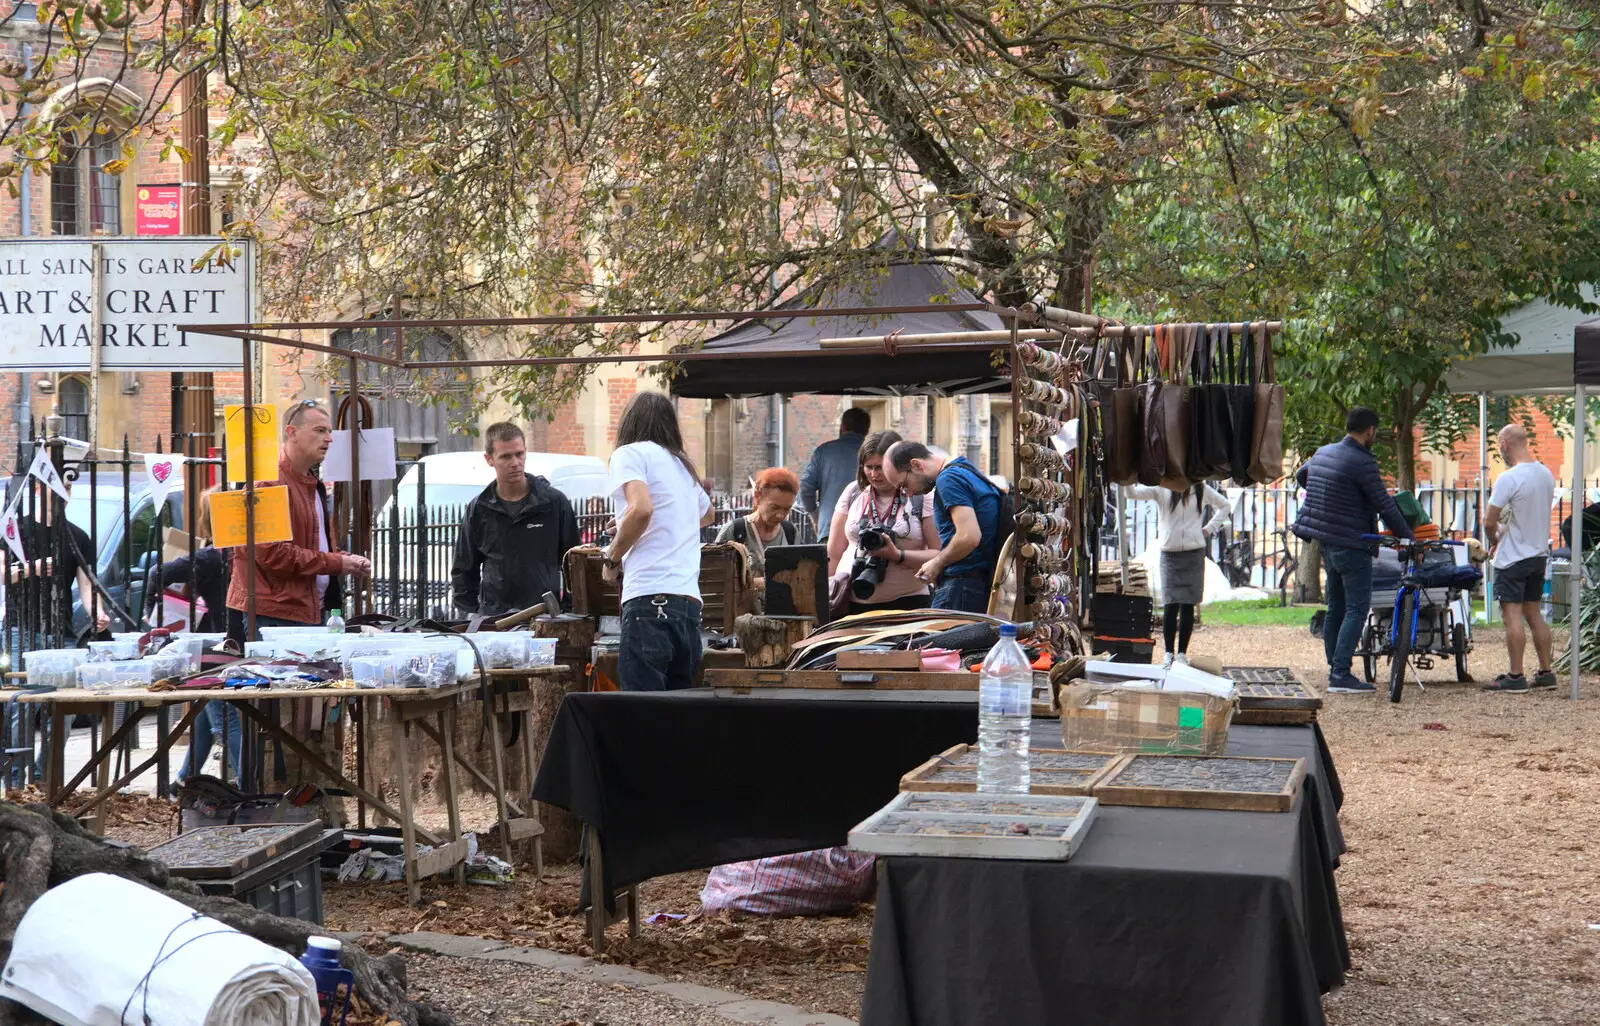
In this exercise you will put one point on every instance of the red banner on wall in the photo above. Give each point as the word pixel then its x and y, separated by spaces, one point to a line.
pixel 156 210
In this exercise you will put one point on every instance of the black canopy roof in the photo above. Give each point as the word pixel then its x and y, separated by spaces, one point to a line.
pixel 791 360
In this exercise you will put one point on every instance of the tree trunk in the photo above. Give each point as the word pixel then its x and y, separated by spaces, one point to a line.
pixel 1405 454
pixel 41 848
pixel 1308 572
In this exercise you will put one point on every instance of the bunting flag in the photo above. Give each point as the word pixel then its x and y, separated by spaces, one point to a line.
pixel 46 471
pixel 12 531
pixel 166 473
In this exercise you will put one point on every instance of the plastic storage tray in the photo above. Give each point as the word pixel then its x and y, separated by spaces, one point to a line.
pixel 53 667
pixel 113 650
pixel 504 651
pixel 128 673
pixel 289 885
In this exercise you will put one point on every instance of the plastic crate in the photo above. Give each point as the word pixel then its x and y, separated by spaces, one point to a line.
pixel 289 885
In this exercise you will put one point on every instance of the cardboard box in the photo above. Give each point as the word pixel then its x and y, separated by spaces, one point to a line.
pixel 1126 718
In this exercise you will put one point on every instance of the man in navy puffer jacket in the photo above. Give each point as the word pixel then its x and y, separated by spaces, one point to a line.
pixel 1344 497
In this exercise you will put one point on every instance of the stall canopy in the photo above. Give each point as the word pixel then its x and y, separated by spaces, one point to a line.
pixel 1540 361
pixel 786 356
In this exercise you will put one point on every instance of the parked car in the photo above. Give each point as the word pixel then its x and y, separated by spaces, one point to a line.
pixel 427 507
pixel 105 524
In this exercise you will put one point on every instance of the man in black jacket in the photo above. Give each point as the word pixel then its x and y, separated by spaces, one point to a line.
pixel 1345 496
pixel 514 534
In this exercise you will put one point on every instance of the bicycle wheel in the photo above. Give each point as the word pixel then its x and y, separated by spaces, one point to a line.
pixel 1400 660
pixel 1458 643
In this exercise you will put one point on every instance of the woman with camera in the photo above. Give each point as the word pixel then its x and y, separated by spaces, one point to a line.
pixel 768 522
pixel 879 537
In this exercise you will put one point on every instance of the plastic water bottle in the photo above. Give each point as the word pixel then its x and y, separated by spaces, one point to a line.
pixel 336 621
pixel 1005 716
pixel 322 961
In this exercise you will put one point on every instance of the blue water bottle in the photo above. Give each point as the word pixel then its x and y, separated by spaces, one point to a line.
pixel 322 959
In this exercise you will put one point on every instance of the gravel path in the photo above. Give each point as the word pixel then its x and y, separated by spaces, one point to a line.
pixel 479 993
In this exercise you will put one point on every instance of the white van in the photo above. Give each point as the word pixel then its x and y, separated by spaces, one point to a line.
pixel 454 479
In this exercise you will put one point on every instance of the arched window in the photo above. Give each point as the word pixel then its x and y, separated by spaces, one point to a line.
pixel 417 406
pixel 72 403
pixel 84 199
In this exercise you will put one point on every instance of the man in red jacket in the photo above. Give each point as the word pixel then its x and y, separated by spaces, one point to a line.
pixel 297 580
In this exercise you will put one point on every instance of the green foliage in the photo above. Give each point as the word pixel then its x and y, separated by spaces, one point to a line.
pixel 1385 175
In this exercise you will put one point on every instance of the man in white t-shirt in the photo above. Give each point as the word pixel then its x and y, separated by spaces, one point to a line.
pixel 656 552
pixel 1518 528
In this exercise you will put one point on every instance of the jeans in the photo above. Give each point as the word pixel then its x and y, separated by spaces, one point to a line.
pixel 218 719
pixel 661 646
pixel 969 594
pixel 1349 599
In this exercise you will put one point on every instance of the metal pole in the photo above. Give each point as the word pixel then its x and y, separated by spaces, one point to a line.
pixel 249 499
pixel 1122 536
pixel 1580 423
pixel 351 599
pixel 96 327
pixel 1483 503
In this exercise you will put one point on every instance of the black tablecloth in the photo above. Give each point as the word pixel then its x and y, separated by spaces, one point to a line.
pixel 688 780
pixel 1177 916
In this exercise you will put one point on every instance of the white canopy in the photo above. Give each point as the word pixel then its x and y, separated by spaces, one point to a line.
pixel 1541 361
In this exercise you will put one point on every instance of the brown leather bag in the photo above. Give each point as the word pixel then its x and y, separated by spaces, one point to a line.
pixel 1176 402
pixel 1152 434
pixel 1123 415
pixel 1266 439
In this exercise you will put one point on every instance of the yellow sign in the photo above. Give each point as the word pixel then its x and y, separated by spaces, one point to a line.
pixel 263 433
pixel 272 517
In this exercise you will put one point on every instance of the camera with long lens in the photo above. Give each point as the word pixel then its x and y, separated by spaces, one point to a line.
pixel 867 572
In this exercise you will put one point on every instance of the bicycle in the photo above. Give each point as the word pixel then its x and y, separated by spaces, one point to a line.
pixel 1238 559
pixel 1409 602
pixel 1288 566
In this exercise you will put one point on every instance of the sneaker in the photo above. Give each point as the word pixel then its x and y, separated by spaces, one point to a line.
pixel 1510 684
pixel 1349 684
pixel 1544 679
pixel 1182 660
pixel 1166 661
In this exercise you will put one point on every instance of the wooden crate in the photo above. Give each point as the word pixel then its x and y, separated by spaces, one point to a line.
pixel 723 586
pixel 1051 771
pixel 1270 695
pixel 1203 782
pixel 848 680
pixel 226 851
pixel 977 826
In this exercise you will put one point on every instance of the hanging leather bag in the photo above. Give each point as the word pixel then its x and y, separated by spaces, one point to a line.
pixel 1124 415
pixel 1266 447
pixel 1211 422
pixel 1241 404
pixel 1152 433
pixel 1177 407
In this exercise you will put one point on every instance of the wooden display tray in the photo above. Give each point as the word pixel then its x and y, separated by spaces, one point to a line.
pixel 851 680
pixel 1054 771
pixel 227 851
pixel 1191 782
pixel 1271 696
pixel 990 826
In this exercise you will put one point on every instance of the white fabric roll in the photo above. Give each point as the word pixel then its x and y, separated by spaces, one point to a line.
pixel 99 945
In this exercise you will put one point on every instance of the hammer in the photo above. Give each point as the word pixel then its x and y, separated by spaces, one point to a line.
pixel 549 604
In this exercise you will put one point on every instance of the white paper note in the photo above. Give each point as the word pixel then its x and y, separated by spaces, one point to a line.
pixel 377 456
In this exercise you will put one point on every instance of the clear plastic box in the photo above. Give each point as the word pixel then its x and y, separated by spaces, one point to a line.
pixel 113 650
pixel 261 650
pixel 416 668
pixel 541 651
pixel 126 673
pixel 503 650
pixel 54 667
pixel 172 661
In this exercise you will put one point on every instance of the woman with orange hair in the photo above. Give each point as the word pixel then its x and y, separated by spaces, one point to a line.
pixel 768 521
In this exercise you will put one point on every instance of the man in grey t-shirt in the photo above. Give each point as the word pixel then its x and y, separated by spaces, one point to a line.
pixel 1518 528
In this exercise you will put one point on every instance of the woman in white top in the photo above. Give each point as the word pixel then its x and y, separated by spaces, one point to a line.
pixel 656 553
pixel 906 521
pixel 1182 538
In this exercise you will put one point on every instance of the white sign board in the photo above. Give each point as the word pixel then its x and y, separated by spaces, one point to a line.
pixel 151 286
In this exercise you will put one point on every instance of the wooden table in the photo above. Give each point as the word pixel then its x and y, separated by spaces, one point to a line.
pixel 411 705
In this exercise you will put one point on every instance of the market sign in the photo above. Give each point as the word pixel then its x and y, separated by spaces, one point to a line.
pixel 156 210
pixel 149 287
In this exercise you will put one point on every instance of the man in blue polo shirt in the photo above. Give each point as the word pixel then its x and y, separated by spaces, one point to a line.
pixel 966 510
